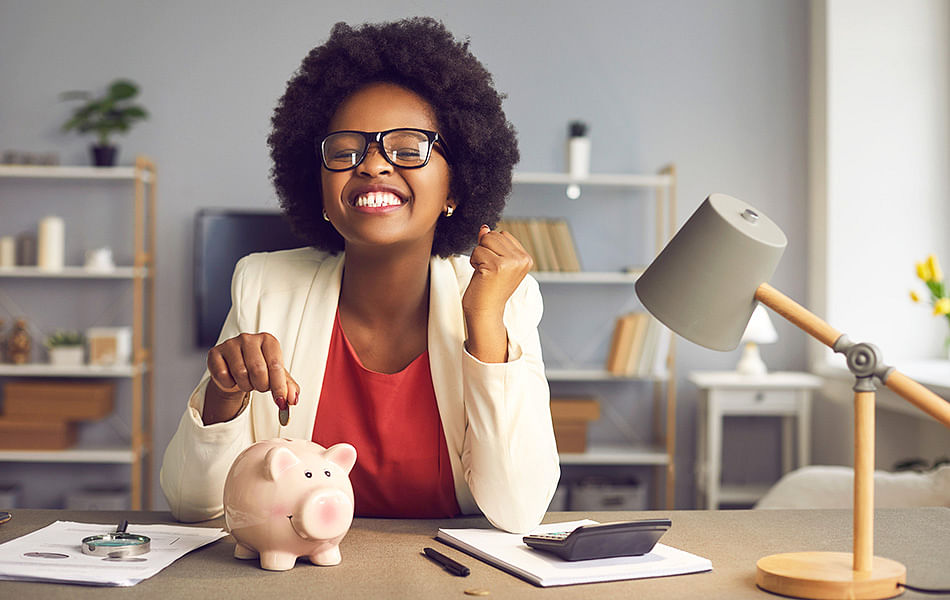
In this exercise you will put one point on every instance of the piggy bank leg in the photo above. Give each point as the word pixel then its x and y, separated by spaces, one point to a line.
pixel 278 561
pixel 243 552
pixel 328 558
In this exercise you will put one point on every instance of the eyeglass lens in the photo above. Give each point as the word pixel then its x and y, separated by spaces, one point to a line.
pixel 402 147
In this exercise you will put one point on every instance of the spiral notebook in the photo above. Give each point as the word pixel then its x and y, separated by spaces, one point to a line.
pixel 508 552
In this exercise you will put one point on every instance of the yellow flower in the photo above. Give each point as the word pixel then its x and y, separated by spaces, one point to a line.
pixel 942 306
pixel 923 271
pixel 934 267
pixel 914 296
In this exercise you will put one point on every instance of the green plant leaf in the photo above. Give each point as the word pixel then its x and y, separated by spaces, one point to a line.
pixel 65 338
pixel 122 89
pixel 135 112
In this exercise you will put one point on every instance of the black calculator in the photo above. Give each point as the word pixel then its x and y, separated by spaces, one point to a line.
pixel 602 540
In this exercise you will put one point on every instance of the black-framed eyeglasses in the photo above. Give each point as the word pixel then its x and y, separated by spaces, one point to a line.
pixel 406 147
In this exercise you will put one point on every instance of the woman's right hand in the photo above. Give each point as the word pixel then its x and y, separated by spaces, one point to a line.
pixel 244 363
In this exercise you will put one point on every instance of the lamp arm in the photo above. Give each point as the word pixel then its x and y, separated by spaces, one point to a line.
pixel 797 314
pixel 919 396
pixel 900 384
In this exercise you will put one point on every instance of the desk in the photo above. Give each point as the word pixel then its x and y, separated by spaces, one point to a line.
pixel 727 393
pixel 381 558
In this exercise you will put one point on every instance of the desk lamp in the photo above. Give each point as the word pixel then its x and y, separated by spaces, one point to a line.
pixel 759 331
pixel 704 285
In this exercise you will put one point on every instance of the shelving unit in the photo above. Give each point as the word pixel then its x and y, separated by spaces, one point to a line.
pixel 661 454
pixel 138 452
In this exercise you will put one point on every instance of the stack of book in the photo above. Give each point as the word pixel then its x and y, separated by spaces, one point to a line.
pixel 548 241
pixel 638 347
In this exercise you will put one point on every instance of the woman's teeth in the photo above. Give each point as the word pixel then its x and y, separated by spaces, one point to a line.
pixel 377 199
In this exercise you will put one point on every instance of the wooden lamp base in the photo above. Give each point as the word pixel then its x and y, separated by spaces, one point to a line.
pixel 828 575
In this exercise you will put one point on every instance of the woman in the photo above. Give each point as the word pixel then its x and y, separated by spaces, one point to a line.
pixel 392 156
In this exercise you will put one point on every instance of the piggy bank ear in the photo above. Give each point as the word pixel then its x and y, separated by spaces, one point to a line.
pixel 277 460
pixel 342 455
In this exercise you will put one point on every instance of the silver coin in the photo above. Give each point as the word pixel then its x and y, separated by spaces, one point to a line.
pixel 284 416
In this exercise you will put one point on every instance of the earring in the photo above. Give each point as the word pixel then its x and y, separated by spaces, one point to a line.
pixel 449 210
pixel 325 217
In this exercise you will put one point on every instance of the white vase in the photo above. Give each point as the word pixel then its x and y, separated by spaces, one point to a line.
pixel 66 356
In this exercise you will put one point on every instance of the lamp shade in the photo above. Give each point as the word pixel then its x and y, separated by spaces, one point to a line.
pixel 702 284
pixel 760 329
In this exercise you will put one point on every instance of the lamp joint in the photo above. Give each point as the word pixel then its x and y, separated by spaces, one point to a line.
pixel 864 361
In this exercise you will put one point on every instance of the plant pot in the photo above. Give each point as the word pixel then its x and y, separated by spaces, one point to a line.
pixel 104 156
pixel 66 356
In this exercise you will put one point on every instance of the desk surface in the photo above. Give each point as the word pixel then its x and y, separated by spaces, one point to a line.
pixel 382 557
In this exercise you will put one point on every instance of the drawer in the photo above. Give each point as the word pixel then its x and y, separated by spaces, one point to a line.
pixel 757 402
pixel 60 401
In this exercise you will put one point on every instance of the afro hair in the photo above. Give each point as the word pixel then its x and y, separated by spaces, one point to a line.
pixel 421 55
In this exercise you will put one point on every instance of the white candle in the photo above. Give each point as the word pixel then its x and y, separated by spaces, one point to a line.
pixel 51 244
pixel 7 251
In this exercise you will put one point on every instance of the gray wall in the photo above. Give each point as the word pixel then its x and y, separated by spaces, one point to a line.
pixel 718 88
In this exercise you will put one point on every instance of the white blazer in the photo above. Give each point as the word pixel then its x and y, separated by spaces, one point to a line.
pixel 496 417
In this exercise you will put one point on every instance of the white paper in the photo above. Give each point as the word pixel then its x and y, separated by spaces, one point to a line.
pixel 54 553
pixel 508 551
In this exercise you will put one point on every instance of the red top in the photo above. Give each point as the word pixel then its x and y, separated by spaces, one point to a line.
pixel 402 461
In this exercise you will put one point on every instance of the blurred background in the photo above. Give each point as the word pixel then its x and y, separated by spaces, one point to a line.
pixel 831 117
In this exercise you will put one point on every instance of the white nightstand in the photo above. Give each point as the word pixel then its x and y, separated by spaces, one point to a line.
pixel 727 393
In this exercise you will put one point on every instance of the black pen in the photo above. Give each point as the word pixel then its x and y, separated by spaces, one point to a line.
pixel 447 563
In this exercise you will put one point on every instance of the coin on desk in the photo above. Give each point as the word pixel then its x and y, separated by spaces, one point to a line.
pixel 477 592
pixel 284 415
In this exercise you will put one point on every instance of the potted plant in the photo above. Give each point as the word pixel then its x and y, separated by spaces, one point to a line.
pixel 111 113
pixel 66 348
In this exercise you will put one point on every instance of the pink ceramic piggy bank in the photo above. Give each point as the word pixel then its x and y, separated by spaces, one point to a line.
pixel 288 498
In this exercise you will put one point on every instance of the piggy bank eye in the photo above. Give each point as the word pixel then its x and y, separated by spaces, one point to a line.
pixel 327 473
pixel 308 474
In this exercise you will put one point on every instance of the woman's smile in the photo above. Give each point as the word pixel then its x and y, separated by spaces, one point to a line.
pixel 376 199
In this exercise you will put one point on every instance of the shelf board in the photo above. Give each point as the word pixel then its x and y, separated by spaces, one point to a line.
pixel 48 370
pixel 595 375
pixel 103 454
pixel 73 273
pixel 622 277
pixel 617 454
pixel 595 179
pixel 71 172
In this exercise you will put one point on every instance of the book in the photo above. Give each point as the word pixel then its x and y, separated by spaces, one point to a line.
pixel 508 552
pixel 542 255
pixel 648 353
pixel 564 246
pixel 621 343
pixel 548 241
pixel 636 344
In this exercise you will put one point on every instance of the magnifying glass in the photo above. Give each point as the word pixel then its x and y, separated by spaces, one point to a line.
pixel 118 544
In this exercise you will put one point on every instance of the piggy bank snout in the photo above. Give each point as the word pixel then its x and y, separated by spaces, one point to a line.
pixel 325 514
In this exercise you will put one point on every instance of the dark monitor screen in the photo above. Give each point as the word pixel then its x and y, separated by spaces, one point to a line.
pixel 222 237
